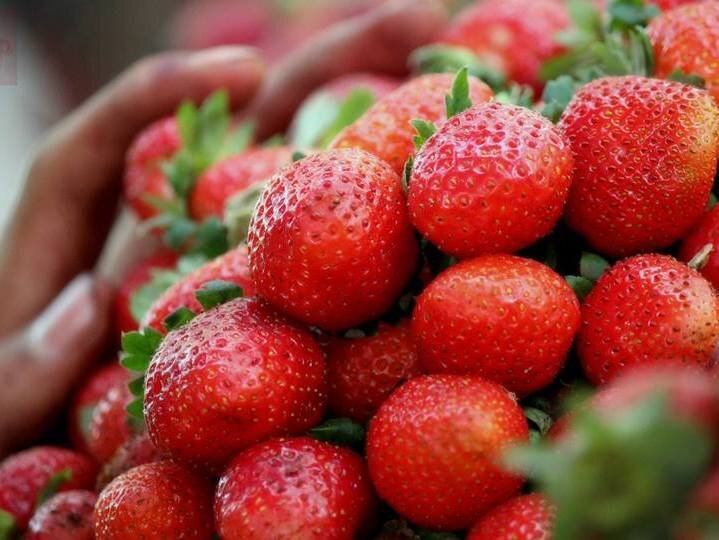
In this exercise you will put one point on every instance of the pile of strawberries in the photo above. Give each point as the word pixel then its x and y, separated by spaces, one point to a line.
pixel 439 305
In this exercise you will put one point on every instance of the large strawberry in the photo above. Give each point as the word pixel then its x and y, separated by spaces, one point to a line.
pixel 527 517
pixel 294 488
pixel 705 234
pixel 385 130
pixel 493 179
pixel 508 319
pixel 645 157
pixel 330 241
pixel 433 447
pixel 648 309
pixel 65 516
pixel 110 426
pixel 232 376
pixel 156 500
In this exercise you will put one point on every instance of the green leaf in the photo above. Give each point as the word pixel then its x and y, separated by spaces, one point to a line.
pixel 178 318
pixel 187 119
pixel 239 211
pixel 712 201
pixel 212 124
pixel 137 386
pixel 592 266
pixel 144 297
pixel 356 103
pixel 557 95
pixel 275 141
pixel 138 349
pixel 181 173
pixel 687 78
pixel 458 100
pixel 342 431
pixel 520 95
pixel 625 14
pixel 586 24
pixel 210 238
pixel 407 172
pixel 298 155
pixel 8 529
pixel 581 286
pixel 53 485
pixel 238 140
pixel 313 119
pixel 424 131
pixel 178 233
pixel 539 418
pixel 135 409
pixel 217 292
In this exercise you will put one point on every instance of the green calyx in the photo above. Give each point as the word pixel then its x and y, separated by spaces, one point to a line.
pixel 458 100
pixel 8 527
pixel 516 94
pixel 138 348
pixel 239 211
pixel 341 431
pixel 591 268
pixel 217 292
pixel 53 485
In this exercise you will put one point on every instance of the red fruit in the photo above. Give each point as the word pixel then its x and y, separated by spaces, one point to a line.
pixel 648 310
pixel 65 516
pixel 143 173
pixel 363 372
pixel 330 241
pixel 494 179
pixel 508 319
pixel 24 475
pixel 233 174
pixel 137 451
pixel 433 449
pixel 645 156
pixel 110 424
pixel 385 129
pixel 527 517
pixel 707 232
pixel 294 488
pixel 229 378
pixel 156 500
pixel 232 267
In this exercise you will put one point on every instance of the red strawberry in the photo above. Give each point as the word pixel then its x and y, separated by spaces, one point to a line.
pixel 110 424
pixel 433 447
pixel 294 488
pixel 493 179
pixel 645 155
pixel 707 232
pixel 156 500
pixel 527 517
pixel 136 451
pixel 23 476
pixel 232 267
pixel 505 318
pixel 385 129
pixel 363 372
pixel 65 516
pixel 330 241
pixel 233 174
pixel 649 309
pixel 232 376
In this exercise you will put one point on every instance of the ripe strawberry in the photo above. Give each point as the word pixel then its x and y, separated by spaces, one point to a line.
pixel 65 516
pixel 330 241
pixel 232 376
pixel 363 372
pixel 110 424
pixel 433 446
pixel 645 155
pixel 707 232
pixel 294 488
pixel 385 129
pixel 136 451
pixel 23 476
pixel 527 517
pixel 648 310
pixel 508 319
pixel 493 179
pixel 156 500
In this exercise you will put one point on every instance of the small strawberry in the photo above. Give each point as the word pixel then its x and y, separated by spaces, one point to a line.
pixel 232 376
pixel 706 233
pixel 507 319
pixel 493 179
pixel 646 310
pixel 363 372
pixel 65 516
pixel 136 451
pixel 110 425
pixel 330 241
pixel 433 446
pixel 294 488
pixel 527 517
pixel 645 156
pixel 156 500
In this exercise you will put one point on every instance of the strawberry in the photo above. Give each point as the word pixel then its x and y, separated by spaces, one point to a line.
pixel 505 318
pixel 432 449
pixel 156 500
pixel 65 516
pixel 134 452
pixel 110 424
pixel 645 155
pixel 363 372
pixel 527 517
pixel 706 232
pixel 26 475
pixel 232 376
pixel 330 241
pixel 493 179
pixel 385 129
pixel 294 488
pixel 646 310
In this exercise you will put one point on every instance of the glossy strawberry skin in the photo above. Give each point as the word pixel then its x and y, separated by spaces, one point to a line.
pixel 505 318
pixel 706 232
pixel 385 129
pixel 295 488
pixel 645 156
pixel 648 310
pixel 234 375
pixel 110 423
pixel 363 372
pixel 65 516
pixel 156 500
pixel 136 451
pixel 233 266
pixel 527 517
pixel 233 174
pixel 432 449
pixel 330 241
pixel 493 179
pixel 25 474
